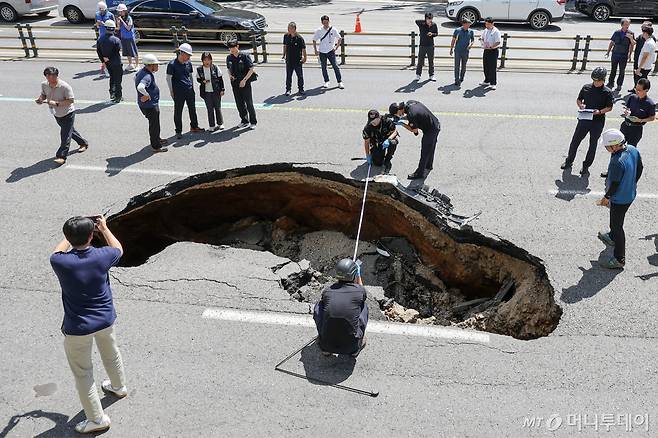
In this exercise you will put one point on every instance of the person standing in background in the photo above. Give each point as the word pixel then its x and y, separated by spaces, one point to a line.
pixel 102 15
pixel 294 52
pixel 127 33
pixel 241 71
pixel 181 87
pixel 621 45
pixel 148 100
pixel 460 46
pixel 490 42
pixel 108 48
pixel 427 30
pixel 211 90
pixel 328 39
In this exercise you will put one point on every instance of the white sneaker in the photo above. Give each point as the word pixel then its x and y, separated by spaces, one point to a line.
pixel 288 93
pixel 221 127
pixel 486 84
pixel 492 87
pixel 243 125
pixel 212 128
pixel 252 126
pixel 88 426
pixel 417 78
pixel 432 78
pixel 326 85
pixel 106 385
pixel 341 85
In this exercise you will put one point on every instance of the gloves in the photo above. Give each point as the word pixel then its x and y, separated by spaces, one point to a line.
pixel 399 123
pixel 369 159
pixel 386 144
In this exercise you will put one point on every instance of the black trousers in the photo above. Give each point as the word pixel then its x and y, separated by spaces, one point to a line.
pixel 427 148
pixel 153 116
pixel 617 64
pixel 116 77
pixel 245 102
pixel 182 98
pixel 592 127
pixel 490 64
pixel 633 133
pixel 214 106
pixel 381 156
pixel 643 74
pixel 297 68
pixel 67 132
pixel 617 234
pixel 425 51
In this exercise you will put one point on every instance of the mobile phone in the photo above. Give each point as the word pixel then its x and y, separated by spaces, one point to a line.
pixel 95 219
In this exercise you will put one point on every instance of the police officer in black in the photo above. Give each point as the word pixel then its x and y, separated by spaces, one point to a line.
pixel 420 117
pixel 108 48
pixel 597 97
pixel 341 315
pixel 640 109
pixel 379 140
pixel 241 70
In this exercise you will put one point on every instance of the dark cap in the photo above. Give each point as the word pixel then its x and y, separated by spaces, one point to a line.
pixel 232 43
pixel 648 30
pixel 372 115
pixel 393 108
pixel 429 15
pixel 488 20
pixel 324 17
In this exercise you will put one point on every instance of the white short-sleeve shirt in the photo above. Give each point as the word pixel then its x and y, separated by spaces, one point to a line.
pixel 490 37
pixel 650 48
pixel 327 44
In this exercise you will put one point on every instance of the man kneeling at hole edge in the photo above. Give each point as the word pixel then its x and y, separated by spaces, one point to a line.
pixel 380 139
pixel 341 315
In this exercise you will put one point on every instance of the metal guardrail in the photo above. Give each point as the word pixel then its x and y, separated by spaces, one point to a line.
pixel 580 53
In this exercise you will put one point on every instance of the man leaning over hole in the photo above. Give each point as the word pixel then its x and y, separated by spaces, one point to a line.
pixel 341 315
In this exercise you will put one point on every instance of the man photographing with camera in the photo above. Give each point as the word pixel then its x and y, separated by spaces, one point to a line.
pixel 89 313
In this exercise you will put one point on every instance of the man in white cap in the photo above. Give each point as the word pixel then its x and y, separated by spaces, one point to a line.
pixel 180 79
pixel 148 98
pixel 624 171
pixel 108 48
pixel 102 15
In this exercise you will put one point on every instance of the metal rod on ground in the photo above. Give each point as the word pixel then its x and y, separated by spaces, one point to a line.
pixel 363 208
pixel 324 382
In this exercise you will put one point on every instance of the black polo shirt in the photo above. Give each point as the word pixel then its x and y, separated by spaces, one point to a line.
pixel 423 29
pixel 641 108
pixel 596 98
pixel 294 46
pixel 377 134
pixel 419 116
pixel 341 306
pixel 238 66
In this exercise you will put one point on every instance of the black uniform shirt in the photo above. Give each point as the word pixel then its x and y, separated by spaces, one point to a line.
pixel 596 98
pixel 641 108
pixel 294 46
pixel 423 29
pixel 109 46
pixel 238 66
pixel 342 304
pixel 419 116
pixel 377 134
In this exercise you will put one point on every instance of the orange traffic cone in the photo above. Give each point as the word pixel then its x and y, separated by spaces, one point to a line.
pixel 357 26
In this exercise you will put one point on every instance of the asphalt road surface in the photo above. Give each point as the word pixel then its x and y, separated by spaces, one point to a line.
pixel 499 151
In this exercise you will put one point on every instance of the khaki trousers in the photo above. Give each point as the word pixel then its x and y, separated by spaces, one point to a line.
pixel 78 353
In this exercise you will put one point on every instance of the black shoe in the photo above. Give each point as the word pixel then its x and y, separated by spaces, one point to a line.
pixel 416 176
pixel 565 165
pixel 584 171
pixel 604 174
pixel 387 168
pixel 179 135
pixel 302 92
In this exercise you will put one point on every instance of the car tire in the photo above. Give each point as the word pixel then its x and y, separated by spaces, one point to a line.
pixel 539 20
pixel 139 36
pixel 227 34
pixel 601 12
pixel 8 13
pixel 73 14
pixel 468 13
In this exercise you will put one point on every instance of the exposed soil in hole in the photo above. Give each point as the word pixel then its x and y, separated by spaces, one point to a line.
pixel 434 274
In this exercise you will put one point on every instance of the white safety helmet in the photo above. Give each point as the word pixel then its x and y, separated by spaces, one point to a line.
pixel 150 59
pixel 121 7
pixel 186 48
pixel 612 137
pixel 109 24
pixel 102 6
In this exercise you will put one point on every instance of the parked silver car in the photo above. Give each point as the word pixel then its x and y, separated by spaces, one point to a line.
pixel 10 10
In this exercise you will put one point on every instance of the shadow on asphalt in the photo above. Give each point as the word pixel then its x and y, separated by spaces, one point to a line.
pixel 479 91
pixel 84 74
pixel 64 427
pixel 412 86
pixel 204 138
pixel 96 107
pixel 116 164
pixel 652 259
pixel 447 89
pixel 42 166
pixel 594 279
pixel 326 370
pixel 569 184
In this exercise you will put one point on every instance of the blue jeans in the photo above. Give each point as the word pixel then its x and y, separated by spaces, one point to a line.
pixel 68 131
pixel 331 56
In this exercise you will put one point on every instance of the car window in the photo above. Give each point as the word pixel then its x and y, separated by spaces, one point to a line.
pixel 153 6
pixel 208 6
pixel 180 8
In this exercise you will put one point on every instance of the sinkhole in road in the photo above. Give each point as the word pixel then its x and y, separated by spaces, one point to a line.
pixel 430 272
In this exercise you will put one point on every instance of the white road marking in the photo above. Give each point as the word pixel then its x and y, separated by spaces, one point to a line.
pixel 598 194
pixel 428 331
pixel 127 170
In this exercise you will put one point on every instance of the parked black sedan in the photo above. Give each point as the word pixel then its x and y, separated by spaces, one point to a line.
pixel 601 10
pixel 194 15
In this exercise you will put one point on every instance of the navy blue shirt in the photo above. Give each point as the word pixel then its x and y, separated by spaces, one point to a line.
pixel 146 77
pixel 464 38
pixel 86 294
pixel 622 43
pixel 623 168
pixel 641 108
pixel 238 66
pixel 181 79
pixel 109 46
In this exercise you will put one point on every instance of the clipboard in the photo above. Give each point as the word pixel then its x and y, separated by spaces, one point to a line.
pixel 586 114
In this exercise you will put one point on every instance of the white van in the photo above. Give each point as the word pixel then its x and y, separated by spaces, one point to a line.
pixel 77 11
pixel 10 10
pixel 539 13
